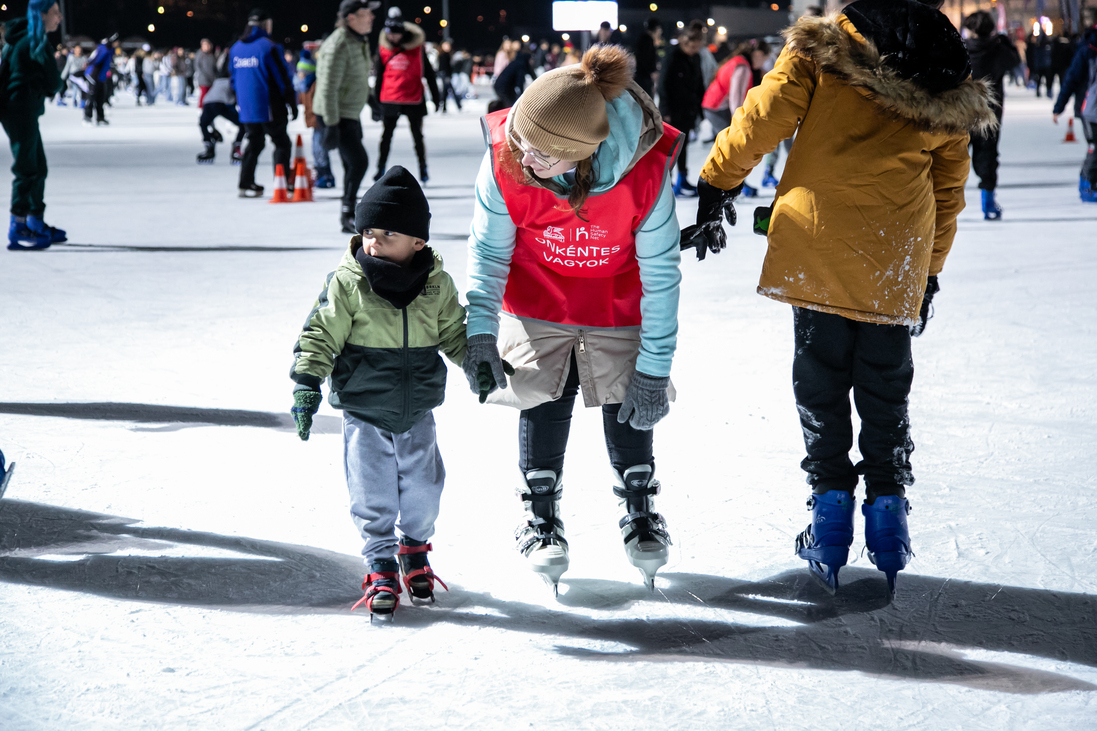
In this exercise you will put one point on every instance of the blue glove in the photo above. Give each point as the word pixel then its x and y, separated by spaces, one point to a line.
pixel 646 401
pixel 305 406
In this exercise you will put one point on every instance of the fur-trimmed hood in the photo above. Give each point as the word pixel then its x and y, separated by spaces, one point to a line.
pixel 413 38
pixel 837 47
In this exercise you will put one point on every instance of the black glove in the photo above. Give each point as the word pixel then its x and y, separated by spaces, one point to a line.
pixel 293 109
pixel 926 312
pixel 485 379
pixel 305 406
pixel 708 233
pixel 331 138
pixel 646 401
pixel 483 352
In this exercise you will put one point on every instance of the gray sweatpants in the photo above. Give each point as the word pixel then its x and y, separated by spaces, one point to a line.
pixel 395 483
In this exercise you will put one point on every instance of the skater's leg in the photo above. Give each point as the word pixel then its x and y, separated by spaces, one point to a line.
pixel 883 371
pixel 389 121
pixel 543 430
pixel 984 158
pixel 1089 167
pixel 421 477
pixel 370 462
pixel 283 147
pixel 355 159
pixel 415 121
pixel 821 381
pixel 627 447
pixel 256 142
pixel 209 113
pixel 27 178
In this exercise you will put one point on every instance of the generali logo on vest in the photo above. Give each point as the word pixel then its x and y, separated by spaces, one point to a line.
pixel 577 246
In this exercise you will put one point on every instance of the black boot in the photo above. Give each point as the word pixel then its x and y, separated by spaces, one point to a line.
pixel 346 219
pixel 206 156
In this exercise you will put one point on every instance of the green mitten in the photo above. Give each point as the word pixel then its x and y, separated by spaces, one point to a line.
pixel 305 406
pixel 485 379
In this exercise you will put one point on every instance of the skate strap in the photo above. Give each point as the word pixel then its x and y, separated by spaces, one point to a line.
pixel 549 538
pixel 372 588
pixel 431 578
pixel 631 494
pixel 405 550
pixel 547 497
pixel 645 524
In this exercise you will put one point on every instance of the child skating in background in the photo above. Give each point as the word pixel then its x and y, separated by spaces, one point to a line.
pixel 376 330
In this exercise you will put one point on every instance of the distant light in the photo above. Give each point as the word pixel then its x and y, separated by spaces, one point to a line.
pixel 566 36
pixel 653 7
pixel 479 18
pixel 427 10
pixel 443 22
pixel 525 39
pixel 711 21
pixel 304 29
pixel 681 24
pixel 3 7
pixel 1048 27
pixel 152 28
pixel 160 10
pixel 623 28
pixel 775 6
pixel 722 30
pixel 418 20
pixel 190 13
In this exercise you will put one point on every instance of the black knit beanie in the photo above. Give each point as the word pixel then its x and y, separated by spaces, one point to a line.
pixel 395 203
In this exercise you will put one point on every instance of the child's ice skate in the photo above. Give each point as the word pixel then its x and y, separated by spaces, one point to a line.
pixel 825 542
pixel 382 587
pixel 644 530
pixel 418 576
pixel 541 537
pixel 887 536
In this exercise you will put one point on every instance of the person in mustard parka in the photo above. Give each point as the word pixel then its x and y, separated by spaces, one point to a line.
pixel 881 100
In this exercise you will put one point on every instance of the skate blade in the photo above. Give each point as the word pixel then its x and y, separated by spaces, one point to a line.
pixel 648 561
pixel 824 576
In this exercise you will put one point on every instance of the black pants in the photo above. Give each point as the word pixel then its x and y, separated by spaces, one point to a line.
pixel 355 160
pixel 213 110
pixel 256 134
pixel 97 96
pixel 28 168
pixel 833 355
pixel 685 126
pixel 447 91
pixel 1089 167
pixel 543 433
pixel 415 121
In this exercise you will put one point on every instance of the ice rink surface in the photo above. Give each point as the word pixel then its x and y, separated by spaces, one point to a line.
pixel 173 557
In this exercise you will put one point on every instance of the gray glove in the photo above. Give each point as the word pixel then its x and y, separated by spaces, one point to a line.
pixel 645 401
pixel 483 349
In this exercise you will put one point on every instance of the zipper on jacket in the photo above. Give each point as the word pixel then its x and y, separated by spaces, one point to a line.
pixel 582 343
pixel 406 371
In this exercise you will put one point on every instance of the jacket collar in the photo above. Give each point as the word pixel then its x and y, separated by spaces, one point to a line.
pixel 835 46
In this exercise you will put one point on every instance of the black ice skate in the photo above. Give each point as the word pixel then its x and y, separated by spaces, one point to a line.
pixel 382 587
pixel 237 155
pixel 541 537
pixel 419 578
pixel 644 530
pixel 251 191
pixel 5 474
pixel 206 156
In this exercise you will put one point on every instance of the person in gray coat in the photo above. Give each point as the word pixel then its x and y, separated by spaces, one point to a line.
pixel 205 70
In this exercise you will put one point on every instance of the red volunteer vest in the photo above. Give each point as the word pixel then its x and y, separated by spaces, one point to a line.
pixel 716 96
pixel 402 82
pixel 569 271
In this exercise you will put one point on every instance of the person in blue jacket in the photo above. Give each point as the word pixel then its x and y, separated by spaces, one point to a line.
pixel 264 95
pixel 1079 79
pixel 97 72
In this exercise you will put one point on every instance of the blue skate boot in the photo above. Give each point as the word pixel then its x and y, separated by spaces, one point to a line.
pixel 887 536
pixel 749 191
pixel 825 543
pixel 991 210
pixel 768 180
pixel 37 225
pixel 22 238
pixel 1085 189
pixel 683 188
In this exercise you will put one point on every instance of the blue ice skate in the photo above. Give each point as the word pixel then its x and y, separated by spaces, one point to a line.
pixel 825 543
pixel 1088 194
pixel 768 180
pixel 22 238
pixel 887 536
pixel 991 210
pixel 749 191
pixel 683 188
pixel 36 224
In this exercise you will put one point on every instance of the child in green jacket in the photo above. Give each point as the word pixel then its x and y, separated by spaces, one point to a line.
pixel 376 330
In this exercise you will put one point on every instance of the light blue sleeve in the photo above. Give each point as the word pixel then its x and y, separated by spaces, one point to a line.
pixel 659 256
pixel 491 245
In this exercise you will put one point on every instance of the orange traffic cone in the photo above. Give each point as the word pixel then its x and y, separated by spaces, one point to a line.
pixel 299 158
pixel 280 186
pixel 1070 131
pixel 302 191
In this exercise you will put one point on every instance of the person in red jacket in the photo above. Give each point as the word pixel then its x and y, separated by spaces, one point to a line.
pixel 401 68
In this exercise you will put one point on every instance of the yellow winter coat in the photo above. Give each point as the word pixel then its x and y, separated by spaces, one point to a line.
pixel 868 200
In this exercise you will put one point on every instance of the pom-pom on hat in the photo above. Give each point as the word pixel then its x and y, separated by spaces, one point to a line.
pixel 563 112
pixel 395 203
pixel 395 22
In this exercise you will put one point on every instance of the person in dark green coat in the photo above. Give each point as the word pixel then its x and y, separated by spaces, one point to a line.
pixel 29 75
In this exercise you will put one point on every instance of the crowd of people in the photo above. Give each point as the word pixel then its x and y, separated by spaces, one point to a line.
pixel 574 247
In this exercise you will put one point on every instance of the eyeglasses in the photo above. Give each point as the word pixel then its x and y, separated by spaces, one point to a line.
pixel 538 156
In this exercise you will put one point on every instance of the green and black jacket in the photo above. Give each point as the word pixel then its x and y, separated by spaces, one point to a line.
pixel 383 361
pixel 31 74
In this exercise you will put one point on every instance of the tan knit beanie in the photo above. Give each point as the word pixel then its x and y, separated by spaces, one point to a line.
pixel 563 112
